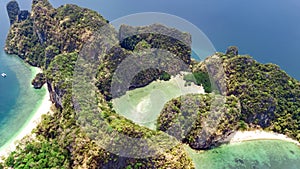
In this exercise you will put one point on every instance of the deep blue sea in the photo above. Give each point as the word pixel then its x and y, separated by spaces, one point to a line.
pixel 268 30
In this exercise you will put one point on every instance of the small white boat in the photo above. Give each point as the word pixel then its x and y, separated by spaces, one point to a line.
pixel 3 74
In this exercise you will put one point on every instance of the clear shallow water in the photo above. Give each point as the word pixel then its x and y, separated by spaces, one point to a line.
pixel 268 30
pixel 18 99
pixel 264 154
pixel 259 154
pixel 143 105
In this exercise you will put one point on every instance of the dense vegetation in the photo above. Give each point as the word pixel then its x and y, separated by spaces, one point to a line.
pixel 38 155
pixel 38 81
pixel 65 28
pixel 52 40
pixel 157 36
pixel 256 95
pixel 13 11
pixel 25 43
pixel 199 78
pixel 184 118
pixel 269 97
pixel 150 52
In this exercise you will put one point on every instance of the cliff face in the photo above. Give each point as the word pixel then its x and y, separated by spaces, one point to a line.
pixel 52 39
pixel 13 10
pixel 47 32
pixel 199 121
pixel 157 36
pixel 269 97
pixel 144 44
pixel 23 40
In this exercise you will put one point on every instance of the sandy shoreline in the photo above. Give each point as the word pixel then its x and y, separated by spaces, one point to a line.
pixel 242 136
pixel 32 123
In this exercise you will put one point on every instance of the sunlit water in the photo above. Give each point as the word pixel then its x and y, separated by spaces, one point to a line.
pixel 264 154
pixel 143 105
pixel 18 99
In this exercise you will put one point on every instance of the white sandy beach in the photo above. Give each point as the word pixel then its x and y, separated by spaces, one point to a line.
pixel 241 136
pixel 32 123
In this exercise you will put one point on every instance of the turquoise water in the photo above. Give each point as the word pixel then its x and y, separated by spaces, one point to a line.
pixel 268 30
pixel 264 154
pixel 18 99
pixel 143 105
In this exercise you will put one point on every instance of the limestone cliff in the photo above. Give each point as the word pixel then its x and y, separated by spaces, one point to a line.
pixel 48 32
pixel 52 38
pixel 13 10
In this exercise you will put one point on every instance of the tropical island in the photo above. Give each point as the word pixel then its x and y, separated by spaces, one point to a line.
pixel 254 96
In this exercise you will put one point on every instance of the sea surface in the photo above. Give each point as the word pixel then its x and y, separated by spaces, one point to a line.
pixel 18 99
pixel 259 154
pixel 268 30
pixel 264 154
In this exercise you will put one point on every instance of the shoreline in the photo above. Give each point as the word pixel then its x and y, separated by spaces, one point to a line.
pixel 136 104
pixel 244 136
pixel 35 118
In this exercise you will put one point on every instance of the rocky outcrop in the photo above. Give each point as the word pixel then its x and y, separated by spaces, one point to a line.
pixel 50 53
pixel 23 41
pixel 232 50
pixel 39 81
pixel 52 38
pixel 13 11
pixel 157 50
pixel 15 14
pixel 55 94
pixel 39 37
pixel 157 36
pixel 23 15
pixel 198 120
